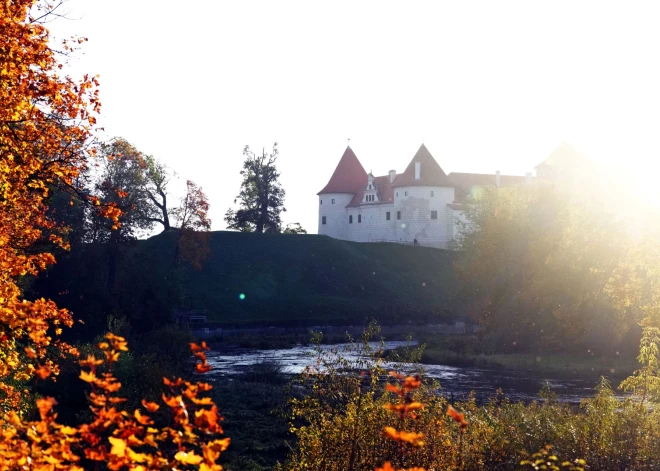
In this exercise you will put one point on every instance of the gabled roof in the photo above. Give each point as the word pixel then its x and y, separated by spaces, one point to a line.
pixel 385 192
pixel 348 177
pixel 566 156
pixel 431 173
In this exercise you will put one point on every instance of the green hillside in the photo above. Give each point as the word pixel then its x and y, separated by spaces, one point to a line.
pixel 285 280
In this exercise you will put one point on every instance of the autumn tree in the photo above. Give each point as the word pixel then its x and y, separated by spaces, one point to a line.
pixel 123 183
pixel 536 266
pixel 261 199
pixel 193 223
pixel 46 122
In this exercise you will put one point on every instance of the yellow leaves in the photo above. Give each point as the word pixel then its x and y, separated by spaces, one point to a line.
pixel 88 377
pixel 91 362
pixel 68 430
pixel 118 446
pixel 188 458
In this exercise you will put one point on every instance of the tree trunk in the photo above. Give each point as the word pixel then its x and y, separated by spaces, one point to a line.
pixel 166 217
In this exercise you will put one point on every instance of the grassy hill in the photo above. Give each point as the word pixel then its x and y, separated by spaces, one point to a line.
pixel 285 280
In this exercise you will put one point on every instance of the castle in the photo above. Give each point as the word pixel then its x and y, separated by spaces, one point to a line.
pixel 422 205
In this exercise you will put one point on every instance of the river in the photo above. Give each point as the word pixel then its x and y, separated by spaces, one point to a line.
pixel 455 382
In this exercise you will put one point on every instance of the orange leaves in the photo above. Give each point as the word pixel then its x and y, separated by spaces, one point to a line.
pixel 198 352
pixel 122 440
pixel 415 439
pixel 150 406
pixel 459 418
pixel 405 408
pixel 45 406
pixel 388 467
pixel 42 372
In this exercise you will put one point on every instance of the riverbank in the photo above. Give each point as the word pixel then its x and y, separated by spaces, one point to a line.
pixel 463 351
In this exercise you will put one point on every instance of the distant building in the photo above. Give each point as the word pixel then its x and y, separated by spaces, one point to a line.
pixel 569 170
pixel 421 205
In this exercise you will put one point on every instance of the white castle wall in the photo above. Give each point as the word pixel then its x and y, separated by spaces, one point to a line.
pixel 335 214
pixel 370 222
pixel 416 204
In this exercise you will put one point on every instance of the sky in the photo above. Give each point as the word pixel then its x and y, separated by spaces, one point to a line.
pixel 485 85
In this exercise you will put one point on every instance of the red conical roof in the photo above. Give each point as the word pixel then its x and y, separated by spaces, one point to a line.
pixel 431 173
pixel 348 177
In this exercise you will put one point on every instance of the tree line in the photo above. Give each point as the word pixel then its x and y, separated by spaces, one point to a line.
pixel 545 269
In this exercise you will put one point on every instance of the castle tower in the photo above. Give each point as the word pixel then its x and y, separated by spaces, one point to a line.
pixel 348 179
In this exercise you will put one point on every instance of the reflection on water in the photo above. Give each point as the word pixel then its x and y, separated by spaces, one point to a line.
pixel 456 382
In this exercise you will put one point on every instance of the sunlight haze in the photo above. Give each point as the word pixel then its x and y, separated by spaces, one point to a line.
pixel 485 85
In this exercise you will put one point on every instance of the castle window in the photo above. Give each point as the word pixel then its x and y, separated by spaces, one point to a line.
pixel 321 201
pixel 397 194
pixel 387 215
pixel 333 201
pixel 434 215
pixel 406 193
pixel 359 218
pixel 398 214
pixel 350 219
pixel 432 194
pixel 323 220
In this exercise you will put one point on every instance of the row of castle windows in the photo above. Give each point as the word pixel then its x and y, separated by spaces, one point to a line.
pixel 406 194
pixel 370 198
pixel 434 215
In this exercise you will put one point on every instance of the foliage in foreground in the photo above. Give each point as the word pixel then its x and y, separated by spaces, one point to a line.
pixel 183 435
pixel 342 419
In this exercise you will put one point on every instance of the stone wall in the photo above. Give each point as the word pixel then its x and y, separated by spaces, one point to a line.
pixel 335 214
pixel 416 205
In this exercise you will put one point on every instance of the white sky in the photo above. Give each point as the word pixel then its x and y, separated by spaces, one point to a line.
pixel 485 85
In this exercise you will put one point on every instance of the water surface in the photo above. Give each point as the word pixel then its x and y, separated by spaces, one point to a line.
pixel 456 382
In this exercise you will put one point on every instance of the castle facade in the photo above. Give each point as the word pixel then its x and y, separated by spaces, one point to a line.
pixel 422 205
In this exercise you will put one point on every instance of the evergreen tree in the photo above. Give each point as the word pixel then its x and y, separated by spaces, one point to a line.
pixel 261 199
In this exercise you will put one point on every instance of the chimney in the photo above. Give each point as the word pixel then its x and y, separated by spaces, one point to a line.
pixel 418 170
pixel 528 178
pixel 392 175
pixel 497 178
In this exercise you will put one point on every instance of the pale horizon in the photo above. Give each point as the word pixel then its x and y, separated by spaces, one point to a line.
pixel 485 86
